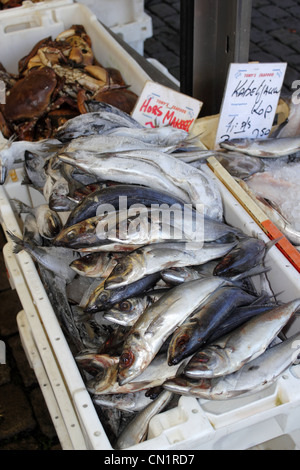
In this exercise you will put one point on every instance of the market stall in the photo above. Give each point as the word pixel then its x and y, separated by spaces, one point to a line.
pixel 117 377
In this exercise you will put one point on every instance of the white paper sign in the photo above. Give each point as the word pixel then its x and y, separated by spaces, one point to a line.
pixel 161 106
pixel 250 101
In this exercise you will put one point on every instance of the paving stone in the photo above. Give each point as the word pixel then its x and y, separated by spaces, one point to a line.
pixel 174 22
pixel 162 10
pixel 26 372
pixel 264 23
pixel 274 12
pixel 16 412
pixel 4 282
pixel 277 49
pixel 285 3
pixel 284 35
pixel 295 11
pixel 10 307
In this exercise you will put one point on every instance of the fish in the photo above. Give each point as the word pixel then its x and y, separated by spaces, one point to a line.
pixel 31 231
pixel 95 265
pixel 159 256
pixel 96 144
pixel 157 170
pixel 14 152
pixel 136 431
pixel 102 298
pixel 253 377
pixel 194 332
pixel 264 148
pixel 91 361
pixel 56 189
pixel 120 197
pixel 131 401
pixel 48 222
pixel 246 343
pixel 92 124
pixel 246 254
pixel 240 166
pixel 106 108
pixel 158 322
pixel 128 311
pixel 54 259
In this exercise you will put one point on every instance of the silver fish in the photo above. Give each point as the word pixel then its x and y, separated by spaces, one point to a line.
pixel 158 321
pixel 95 265
pixel 265 148
pixel 254 376
pixel 55 259
pixel 93 123
pixel 156 170
pixel 134 401
pixel 241 346
pixel 96 144
pixel 137 429
pixel 159 256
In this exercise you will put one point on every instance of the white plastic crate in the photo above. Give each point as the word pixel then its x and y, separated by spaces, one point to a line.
pixel 126 18
pixel 21 28
pixel 194 424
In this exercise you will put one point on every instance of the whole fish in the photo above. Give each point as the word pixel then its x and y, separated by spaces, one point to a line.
pixel 54 259
pixel 242 345
pixel 194 332
pixel 254 376
pixel 102 298
pixel 157 170
pixel 160 320
pixel 93 106
pixel 120 196
pixel 95 265
pixel 93 123
pixel 96 144
pixel 132 401
pixel 265 148
pixel 128 311
pixel 48 222
pixel 159 256
pixel 247 253
pixel 240 166
pixel 136 430
pixel 14 152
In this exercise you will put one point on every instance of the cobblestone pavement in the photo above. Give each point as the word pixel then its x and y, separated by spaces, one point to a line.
pixel 25 423
pixel 275 35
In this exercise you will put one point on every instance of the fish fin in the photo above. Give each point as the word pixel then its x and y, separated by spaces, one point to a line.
pixel 271 243
pixel 19 243
pixel 256 270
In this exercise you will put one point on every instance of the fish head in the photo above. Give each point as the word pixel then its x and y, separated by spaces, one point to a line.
pixel 86 263
pixel 77 236
pixel 135 357
pixel 206 363
pixel 52 225
pixel 127 270
pixel 99 299
pixel 182 344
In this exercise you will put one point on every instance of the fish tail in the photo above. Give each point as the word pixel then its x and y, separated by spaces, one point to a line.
pixel 256 270
pixel 19 243
pixel 21 207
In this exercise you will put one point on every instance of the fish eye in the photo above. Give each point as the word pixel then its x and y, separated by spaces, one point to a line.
pixel 104 296
pixel 119 268
pixel 72 235
pixel 125 306
pixel 126 359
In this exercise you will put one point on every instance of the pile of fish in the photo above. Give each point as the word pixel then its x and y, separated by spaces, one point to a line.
pixel 153 289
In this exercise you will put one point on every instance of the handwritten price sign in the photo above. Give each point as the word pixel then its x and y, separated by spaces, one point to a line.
pixel 161 106
pixel 250 101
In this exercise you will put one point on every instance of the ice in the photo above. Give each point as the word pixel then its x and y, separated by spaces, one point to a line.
pixel 280 184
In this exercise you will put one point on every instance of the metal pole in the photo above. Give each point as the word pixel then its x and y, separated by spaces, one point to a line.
pixel 221 35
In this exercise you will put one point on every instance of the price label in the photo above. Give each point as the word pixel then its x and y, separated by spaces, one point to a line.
pixel 251 97
pixel 161 106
